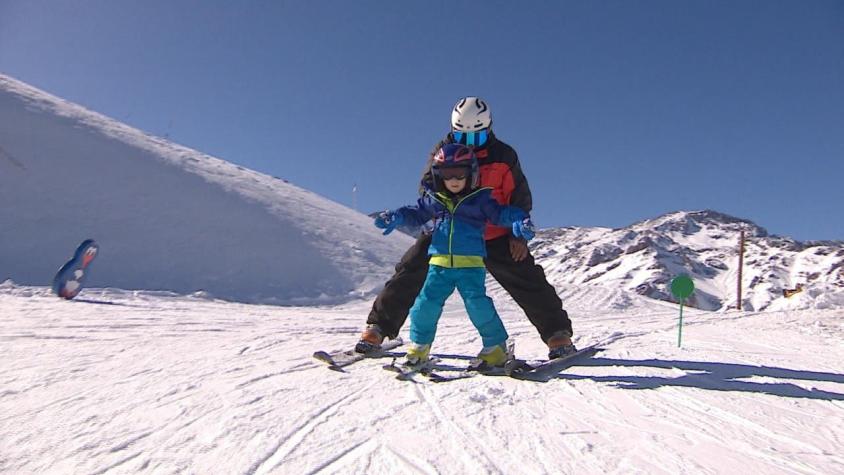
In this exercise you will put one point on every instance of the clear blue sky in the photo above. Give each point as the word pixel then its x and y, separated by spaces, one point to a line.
pixel 620 110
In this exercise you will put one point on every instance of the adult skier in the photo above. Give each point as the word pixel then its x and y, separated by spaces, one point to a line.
pixel 508 258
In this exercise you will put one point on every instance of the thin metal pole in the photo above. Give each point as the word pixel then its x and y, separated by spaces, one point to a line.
pixel 740 268
pixel 680 330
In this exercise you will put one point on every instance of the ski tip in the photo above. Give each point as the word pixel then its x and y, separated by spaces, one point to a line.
pixel 337 368
pixel 324 357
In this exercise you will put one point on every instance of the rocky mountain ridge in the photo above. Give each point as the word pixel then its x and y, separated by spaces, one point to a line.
pixel 646 255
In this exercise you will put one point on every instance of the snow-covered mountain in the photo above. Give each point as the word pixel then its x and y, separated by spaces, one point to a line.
pixel 645 256
pixel 168 217
pixel 171 218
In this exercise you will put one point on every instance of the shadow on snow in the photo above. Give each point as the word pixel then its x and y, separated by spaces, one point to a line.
pixel 715 377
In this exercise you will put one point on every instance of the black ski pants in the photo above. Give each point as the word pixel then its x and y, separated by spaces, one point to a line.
pixel 525 281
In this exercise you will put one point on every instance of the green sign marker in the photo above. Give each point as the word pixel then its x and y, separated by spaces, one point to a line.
pixel 682 287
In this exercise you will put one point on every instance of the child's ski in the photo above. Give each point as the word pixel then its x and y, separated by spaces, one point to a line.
pixel 443 376
pixel 340 359
pixel 406 372
pixel 544 371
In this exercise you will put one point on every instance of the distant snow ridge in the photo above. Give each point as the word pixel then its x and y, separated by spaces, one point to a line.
pixel 168 217
pixel 645 256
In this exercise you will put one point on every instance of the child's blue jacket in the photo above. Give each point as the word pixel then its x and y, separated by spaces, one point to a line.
pixel 459 222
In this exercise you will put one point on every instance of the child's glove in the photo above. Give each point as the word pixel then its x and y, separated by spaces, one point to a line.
pixel 388 221
pixel 524 229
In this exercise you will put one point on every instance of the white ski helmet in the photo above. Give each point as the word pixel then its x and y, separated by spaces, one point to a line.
pixel 470 114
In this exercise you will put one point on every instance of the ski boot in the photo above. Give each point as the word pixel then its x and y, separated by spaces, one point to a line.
pixel 417 354
pixel 370 339
pixel 560 345
pixel 495 356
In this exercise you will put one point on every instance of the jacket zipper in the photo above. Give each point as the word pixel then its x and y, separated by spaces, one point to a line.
pixel 453 211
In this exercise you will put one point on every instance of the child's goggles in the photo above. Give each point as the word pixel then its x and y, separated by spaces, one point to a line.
pixel 459 173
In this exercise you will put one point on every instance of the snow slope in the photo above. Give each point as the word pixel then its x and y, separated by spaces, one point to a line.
pixel 168 217
pixel 140 382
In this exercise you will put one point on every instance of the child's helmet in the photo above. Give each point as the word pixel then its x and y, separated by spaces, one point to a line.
pixel 455 155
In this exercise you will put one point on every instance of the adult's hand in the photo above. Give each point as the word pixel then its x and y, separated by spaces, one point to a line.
pixel 518 249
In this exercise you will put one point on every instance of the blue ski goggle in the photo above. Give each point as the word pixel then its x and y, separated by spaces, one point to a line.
pixel 471 139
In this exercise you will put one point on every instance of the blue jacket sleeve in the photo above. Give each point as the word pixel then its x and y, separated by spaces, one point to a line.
pixel 419 214
pixel 501 215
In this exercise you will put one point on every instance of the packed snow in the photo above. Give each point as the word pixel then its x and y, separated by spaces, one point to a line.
pixel 142 382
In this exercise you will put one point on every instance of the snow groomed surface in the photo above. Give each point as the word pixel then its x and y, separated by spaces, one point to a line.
pixel 140 382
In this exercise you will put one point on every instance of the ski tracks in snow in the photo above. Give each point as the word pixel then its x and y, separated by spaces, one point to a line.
pixel 292 440
pixel 475 454
pixel 333 449
pixel 164 384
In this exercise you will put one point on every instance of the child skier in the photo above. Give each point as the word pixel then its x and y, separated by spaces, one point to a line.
pixel 460 211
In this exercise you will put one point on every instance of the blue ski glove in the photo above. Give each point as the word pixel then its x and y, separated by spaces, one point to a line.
pixel 524 229
pixel 388 221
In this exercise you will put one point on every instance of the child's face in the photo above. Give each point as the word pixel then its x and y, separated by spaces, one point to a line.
pixel 455 178
pixel 455 185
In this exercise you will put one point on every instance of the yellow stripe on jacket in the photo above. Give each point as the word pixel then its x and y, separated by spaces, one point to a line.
pixel 454 261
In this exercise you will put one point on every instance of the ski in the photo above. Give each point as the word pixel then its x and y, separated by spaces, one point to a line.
pixel 433 370
pixel 451 374
pixel 436 377
pixel 542 371
pixel 406 372
pixel 546 370
pixel 338 360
